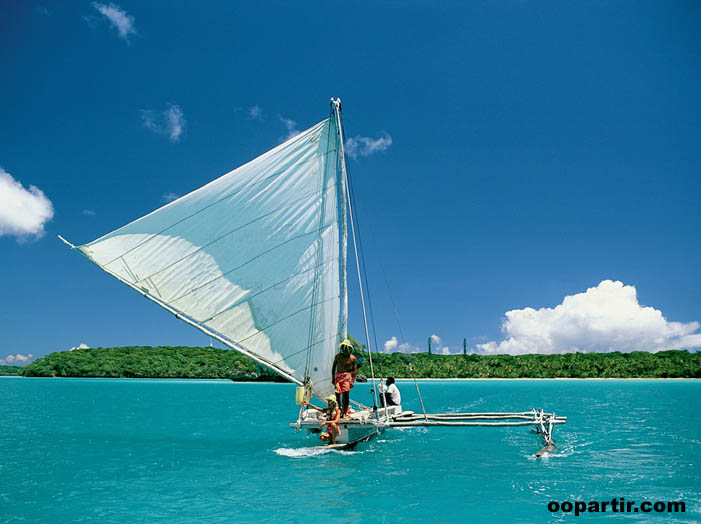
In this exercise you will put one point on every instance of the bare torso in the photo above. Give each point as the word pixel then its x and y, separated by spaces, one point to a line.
pixel 344 364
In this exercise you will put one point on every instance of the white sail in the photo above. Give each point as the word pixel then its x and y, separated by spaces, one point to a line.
pixel 257 257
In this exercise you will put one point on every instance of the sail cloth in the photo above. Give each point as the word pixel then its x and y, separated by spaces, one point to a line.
pixel 257 256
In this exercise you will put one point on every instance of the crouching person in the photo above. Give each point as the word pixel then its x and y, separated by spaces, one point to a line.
pixel 333 415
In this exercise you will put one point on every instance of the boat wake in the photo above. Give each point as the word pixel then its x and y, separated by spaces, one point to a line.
pixel 311 452
pixel 564 451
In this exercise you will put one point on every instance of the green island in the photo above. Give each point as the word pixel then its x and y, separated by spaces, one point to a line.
pixel 208 362
pixel 10 370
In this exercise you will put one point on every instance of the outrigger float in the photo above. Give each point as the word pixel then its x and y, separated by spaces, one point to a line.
pixel 544 422
pixel 363 425
pixel 257 260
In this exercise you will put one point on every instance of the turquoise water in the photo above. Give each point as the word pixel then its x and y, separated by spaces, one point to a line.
pixel 101 450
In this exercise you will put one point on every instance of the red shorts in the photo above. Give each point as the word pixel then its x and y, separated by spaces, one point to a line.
pixel 344 382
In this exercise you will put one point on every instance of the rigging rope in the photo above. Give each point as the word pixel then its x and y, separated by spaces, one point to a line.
pixel 362 261
pixel 355 249
pixel 389 292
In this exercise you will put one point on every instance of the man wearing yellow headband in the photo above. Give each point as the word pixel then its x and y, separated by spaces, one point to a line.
pixel 343 372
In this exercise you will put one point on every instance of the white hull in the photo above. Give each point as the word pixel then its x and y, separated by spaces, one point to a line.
pixel 359 426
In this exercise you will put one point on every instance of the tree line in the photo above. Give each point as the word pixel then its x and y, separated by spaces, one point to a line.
pixel 208 362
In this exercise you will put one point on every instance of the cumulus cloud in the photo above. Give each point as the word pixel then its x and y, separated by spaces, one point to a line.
pixel 391 345
pixel 118 18
pixel 83 345
pixel 256 113
pixel 23 212
pixel 291 128
pixel 607 317
pixel 170 122
pixel 365 146
pixel 14 360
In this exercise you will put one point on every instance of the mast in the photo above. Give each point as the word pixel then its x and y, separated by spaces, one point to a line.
pixel 337 111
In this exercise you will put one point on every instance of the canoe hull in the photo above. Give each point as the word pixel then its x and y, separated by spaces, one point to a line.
pixel 358 427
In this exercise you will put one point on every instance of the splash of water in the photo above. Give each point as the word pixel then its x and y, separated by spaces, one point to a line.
pixel 311 452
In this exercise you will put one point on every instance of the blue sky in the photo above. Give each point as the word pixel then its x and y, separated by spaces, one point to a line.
pixel 538 150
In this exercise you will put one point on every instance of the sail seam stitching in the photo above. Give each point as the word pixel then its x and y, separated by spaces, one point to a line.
pixel 290 204
pixel 306 348
pixel 258 293
pixel 262 330
pixel 228 196
pixel 267 251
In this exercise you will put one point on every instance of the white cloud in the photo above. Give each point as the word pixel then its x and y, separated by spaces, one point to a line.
pixel 391 344
pixel 290 126
pixel 23 212
pixel 365 146
pixel 607 317
pixel 170 122
pixel 437 346
pixel 256 113
pixel 89 212
pixel 13 360
pixel 408 348
pixel 118 17
pixel 169 197
pixel 83 345
pixel 175 122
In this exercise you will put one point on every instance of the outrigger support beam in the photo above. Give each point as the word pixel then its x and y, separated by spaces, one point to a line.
pixel 543 422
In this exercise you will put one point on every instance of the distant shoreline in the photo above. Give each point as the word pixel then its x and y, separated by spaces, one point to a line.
pixel 399 379
pixel 212 363
pixel 551 378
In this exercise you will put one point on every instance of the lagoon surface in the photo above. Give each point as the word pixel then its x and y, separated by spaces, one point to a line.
pixel 138 451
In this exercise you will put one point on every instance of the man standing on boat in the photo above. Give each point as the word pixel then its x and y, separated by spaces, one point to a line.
pixel 343 371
